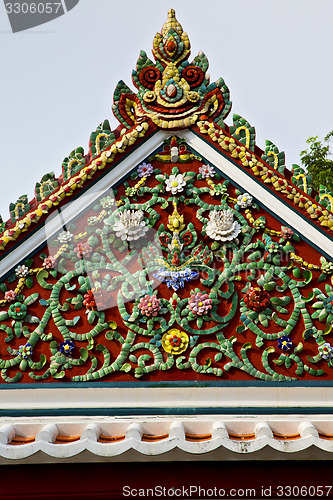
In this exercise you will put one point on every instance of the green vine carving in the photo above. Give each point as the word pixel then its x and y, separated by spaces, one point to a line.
pixel 179 271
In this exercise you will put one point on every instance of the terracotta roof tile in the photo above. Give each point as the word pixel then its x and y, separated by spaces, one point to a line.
pixel 18 440
pixel 110 439
pixel 197 437
pixel 66 439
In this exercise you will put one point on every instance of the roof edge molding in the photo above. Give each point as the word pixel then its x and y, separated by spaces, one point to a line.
pixel 209 437
pixel 121 399
pixel 260 191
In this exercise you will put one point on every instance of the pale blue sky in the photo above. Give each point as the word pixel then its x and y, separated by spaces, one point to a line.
pixel 57 81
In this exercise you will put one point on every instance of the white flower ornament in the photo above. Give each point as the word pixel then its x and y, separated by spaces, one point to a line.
pixel 65 236
pixel 221 226
pixel 244 200
pixel 130 225
pixel 22 271
pixel 175 183
pixel 207 171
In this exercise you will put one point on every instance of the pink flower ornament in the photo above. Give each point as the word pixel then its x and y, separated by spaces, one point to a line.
pixel 10 295
pixel 200 303
pixel 149 305
pixel 83 249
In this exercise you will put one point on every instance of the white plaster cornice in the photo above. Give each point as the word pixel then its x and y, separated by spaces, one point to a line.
pixel 219 437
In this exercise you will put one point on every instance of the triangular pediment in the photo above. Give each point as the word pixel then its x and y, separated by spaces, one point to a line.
pixel 178 264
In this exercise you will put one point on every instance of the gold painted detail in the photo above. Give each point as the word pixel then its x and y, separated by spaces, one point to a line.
pixel 247 135
pixel 176 221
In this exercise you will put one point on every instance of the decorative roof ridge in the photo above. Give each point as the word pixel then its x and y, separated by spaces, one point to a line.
pixel 280 181
pixel 297 175
pixel 35 210
pixel 49 183
pixel 173 94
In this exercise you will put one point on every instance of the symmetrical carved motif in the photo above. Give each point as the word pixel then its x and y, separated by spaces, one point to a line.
pixel 173 93
pixel 178 271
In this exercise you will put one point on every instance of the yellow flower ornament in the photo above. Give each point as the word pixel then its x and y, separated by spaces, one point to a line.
pixel 175 341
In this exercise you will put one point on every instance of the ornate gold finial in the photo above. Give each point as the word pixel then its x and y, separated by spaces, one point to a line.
pixel 172 44
pixel 174 92
pixel 171 23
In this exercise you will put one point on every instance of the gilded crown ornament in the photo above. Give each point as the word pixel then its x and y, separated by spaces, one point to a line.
pixel 174 92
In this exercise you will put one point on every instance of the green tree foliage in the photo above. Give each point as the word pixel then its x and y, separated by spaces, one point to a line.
pixel 317 162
